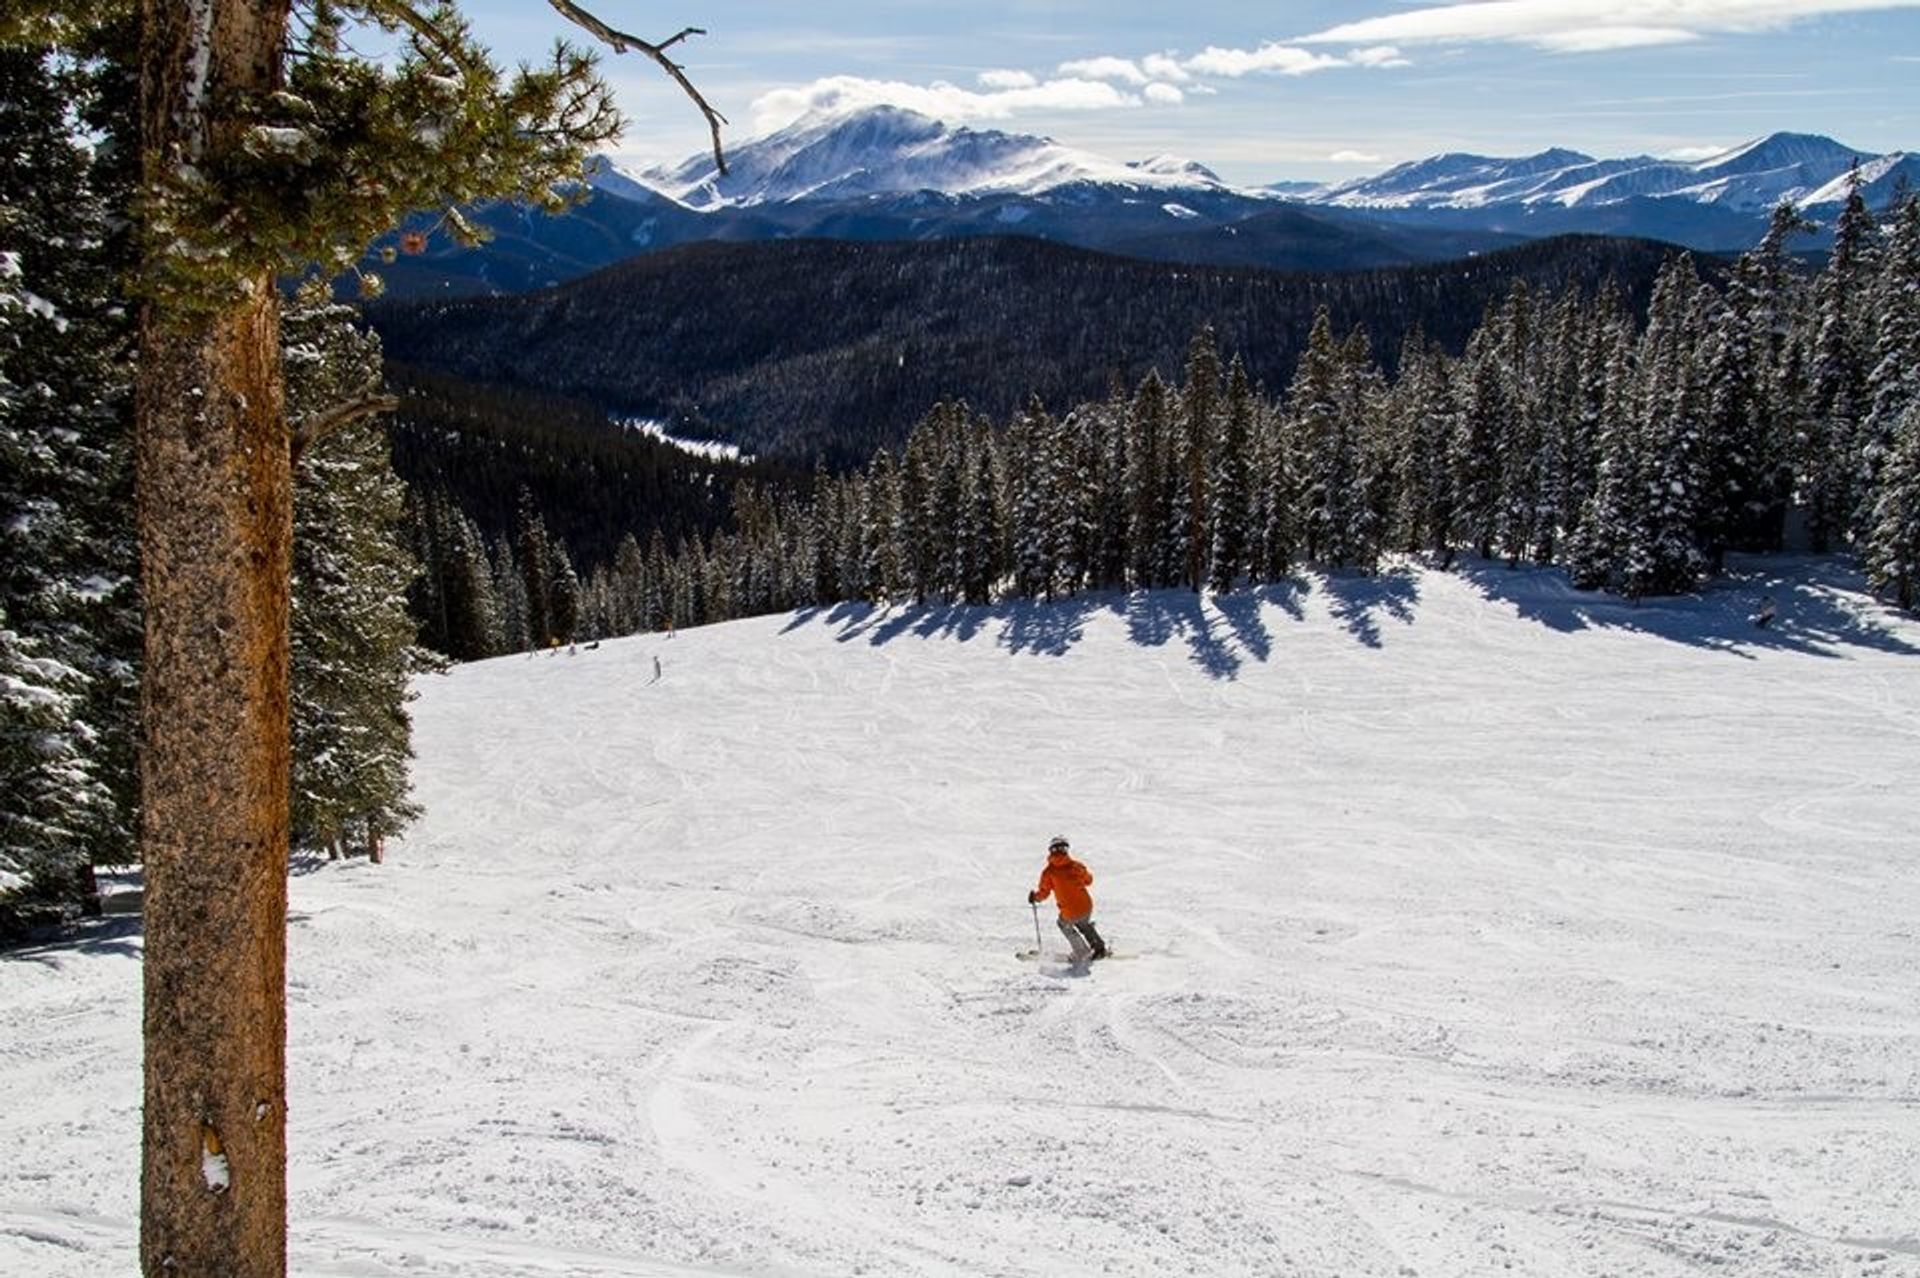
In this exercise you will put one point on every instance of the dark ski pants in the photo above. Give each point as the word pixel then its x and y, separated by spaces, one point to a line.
pixel 1082 939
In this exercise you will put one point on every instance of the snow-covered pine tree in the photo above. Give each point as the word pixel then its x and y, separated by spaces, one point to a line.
pixel 1200 428
pixel 1322 446
pixel 1893 539
pixel 68 630
pixel 1031 500
pixel 1275 497
pixel 1365 441
pixel 1893 385
pixel 1148 425
pixel 353 640
pixel 823 560
pixel 1661 556
pixel 850 540
pixel 1076 451
pixel 629 587
pixel 913 530
pixel 473 615
pixel 982 557
pixel 1174 499
pixel 534 549
pixel 1229 502
pixel 1564 438
pixel 1841 349
pixel 1477 461
pixel 1515 352
pixel 510 597
pixel 947 502
pixel 881 577
pixel 1596 552
pixel 1423 418
pixel 1110 510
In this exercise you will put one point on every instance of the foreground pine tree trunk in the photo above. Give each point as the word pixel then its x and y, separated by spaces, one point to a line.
pixel 215 530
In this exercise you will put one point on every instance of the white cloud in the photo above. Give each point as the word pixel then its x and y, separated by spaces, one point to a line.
pixel 1379 55
pixel 1164 95
pixel 1008 79
pixel 1279 59
pixel 845 93
pixel 1691 152
pixel 1105 68
pixel 1356 157
pixel 1581 26
pixel 1164 66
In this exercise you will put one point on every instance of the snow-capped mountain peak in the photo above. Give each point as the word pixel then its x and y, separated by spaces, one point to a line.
pixel 885 150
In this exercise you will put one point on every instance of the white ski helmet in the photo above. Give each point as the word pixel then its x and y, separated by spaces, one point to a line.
pixel 1058 844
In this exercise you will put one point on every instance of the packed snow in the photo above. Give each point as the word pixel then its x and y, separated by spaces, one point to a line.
pixel 1464 924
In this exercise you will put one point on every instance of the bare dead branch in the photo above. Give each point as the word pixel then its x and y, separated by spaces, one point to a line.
pixel 314 427
pixel 621 42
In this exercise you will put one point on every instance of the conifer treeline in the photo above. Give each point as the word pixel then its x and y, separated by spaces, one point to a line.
pixel 70 631
pixel 1775 409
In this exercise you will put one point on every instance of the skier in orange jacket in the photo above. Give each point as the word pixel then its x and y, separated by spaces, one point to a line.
pixel 1066 881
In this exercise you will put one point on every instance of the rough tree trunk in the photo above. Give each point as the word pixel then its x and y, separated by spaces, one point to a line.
pixel 215 532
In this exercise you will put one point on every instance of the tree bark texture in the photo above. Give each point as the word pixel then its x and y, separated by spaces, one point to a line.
pixel 215 532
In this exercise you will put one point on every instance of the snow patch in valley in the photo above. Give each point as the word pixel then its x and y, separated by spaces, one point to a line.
pixel 712 449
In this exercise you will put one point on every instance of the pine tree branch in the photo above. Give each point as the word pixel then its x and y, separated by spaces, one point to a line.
pixel 621 42
pixel 314 427
pixel 424 30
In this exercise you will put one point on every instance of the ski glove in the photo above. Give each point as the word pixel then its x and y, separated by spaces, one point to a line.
pixel 1033 898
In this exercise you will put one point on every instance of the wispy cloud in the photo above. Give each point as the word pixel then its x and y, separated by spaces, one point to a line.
pixel 1355 157
pixel 1273 59
pixel 1163 95
pixel 1587 26
pixel 1691 152
pixel 844 93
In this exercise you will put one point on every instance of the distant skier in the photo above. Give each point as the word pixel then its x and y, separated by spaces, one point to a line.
pixel 1763 616
pixel 1066 881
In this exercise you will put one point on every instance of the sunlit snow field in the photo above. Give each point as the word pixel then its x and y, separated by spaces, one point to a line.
pixel 1467 925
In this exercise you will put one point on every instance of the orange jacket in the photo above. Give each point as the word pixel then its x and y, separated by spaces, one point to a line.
pixel 1066 880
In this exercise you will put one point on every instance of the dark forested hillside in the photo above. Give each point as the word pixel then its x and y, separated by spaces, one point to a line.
pixel 593 480
pixel 809 348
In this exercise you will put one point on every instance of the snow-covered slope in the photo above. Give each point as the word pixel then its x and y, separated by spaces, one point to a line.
pixel 1471 926
pixel 1784 166
pixel 890 150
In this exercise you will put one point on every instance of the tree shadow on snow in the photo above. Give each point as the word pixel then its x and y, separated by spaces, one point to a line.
pixel 1822 604
pixel 113 935
pixel 1156 617
pixel 1823 610
pixel 1051 628
pixel 1358 601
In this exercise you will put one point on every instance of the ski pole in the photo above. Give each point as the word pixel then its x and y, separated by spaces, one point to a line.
pixel 1037 946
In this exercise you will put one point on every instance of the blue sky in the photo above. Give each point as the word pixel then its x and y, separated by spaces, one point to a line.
pixel 1283 90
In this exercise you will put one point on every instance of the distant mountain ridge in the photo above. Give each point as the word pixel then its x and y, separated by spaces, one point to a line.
pixel 1810 170
pixel 887 150
pixel 887 174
